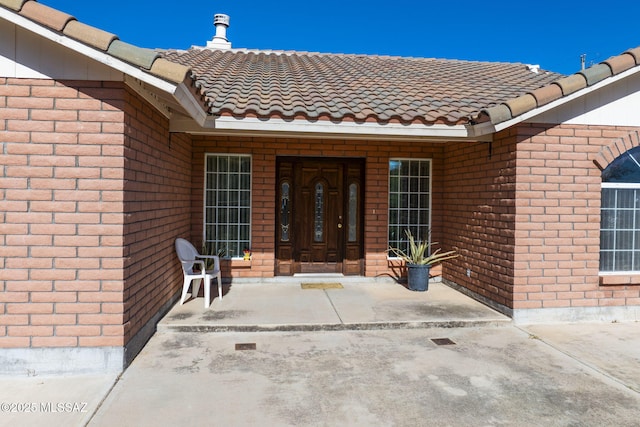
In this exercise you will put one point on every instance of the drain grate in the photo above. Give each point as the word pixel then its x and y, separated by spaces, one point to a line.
pixel 246 346
pixel 442 341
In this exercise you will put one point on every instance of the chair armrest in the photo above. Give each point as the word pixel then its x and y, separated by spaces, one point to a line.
pixel 190 263
pixel 215 258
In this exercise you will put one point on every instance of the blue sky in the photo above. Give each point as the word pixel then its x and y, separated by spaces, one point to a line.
pixel 552 34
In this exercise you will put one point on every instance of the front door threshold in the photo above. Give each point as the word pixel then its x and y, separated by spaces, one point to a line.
pixel 319 275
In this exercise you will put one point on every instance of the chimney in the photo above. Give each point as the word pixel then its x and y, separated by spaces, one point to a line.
pixel 221 22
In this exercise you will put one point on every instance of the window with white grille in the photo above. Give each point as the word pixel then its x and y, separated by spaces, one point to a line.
pixel 409 200
pixel 620 214
pixel 227 204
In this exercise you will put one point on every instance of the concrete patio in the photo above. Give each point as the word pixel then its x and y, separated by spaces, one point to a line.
pixel 370 354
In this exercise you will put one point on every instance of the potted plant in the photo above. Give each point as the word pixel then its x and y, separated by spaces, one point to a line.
pixel 419 260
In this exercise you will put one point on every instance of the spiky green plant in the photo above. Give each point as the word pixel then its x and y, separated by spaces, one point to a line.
pixel 209 249
pixel 419 252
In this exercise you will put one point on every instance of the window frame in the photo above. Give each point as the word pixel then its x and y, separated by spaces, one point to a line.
pixel 239 224
pixel 636 247
pixel 402 237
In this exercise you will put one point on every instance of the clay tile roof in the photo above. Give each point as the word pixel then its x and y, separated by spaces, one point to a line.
pixel 353 87
pixel 108 43
pixel 562 87
pixel 291 85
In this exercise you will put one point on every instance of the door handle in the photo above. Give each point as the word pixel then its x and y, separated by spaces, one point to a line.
pixel 339 225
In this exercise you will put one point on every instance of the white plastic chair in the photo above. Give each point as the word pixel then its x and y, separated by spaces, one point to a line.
pixel 188 256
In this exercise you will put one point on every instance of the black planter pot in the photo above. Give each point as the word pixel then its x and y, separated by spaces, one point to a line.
pixel 418 277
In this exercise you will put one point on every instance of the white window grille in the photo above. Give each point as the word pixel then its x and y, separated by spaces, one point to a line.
pixel 227 204
pixel 409 200
pixel 620 214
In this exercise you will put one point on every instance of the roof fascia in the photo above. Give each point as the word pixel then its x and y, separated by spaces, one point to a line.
pixel 180 91
pixel 276 126
pixel 487 127
pixel 87 51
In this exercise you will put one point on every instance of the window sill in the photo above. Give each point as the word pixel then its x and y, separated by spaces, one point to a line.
pixel 619 279
pixel 235 263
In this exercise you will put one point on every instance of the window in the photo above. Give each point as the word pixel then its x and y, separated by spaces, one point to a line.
pixel 227 206
pixel 409 200
pixel 620 214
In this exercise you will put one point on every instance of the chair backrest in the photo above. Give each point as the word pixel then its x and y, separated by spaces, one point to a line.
pixel 187 254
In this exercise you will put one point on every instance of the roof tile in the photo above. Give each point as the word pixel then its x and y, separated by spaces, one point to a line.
pixel 13 4
pixel 354 87
pixel 521 104
pixel 596 73
pixel 547 94
pixel 176 73
pixel 45 15
pixel 621 63
pixel 498 114
pixel 338 87
pixel 58 21
pixel 139 56
pixel 89 35
pixel 572 83
pixel 635 52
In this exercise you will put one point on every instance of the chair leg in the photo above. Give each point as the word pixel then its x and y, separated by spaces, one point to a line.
pixel 195 288
pixel 219 279
pixel 185 288
pixel 207 291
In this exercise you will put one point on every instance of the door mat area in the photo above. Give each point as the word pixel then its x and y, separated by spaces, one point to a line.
pixel 322 285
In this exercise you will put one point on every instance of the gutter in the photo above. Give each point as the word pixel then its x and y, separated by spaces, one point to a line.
pixel 322 128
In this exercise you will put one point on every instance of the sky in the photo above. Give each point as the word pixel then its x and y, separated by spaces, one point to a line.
pixel 552 34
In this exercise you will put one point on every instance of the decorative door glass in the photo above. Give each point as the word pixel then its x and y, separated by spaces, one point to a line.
pixel 284 212
pixel 319 213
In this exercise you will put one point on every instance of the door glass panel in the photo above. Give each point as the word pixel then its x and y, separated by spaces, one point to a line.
pixel 318 234
pixel 284 212
pixel 353 212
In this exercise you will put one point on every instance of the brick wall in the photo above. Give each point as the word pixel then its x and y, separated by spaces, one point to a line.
pixel 61 213
pixel 558 217
pixel 479 201
pixel 157 202
pixel 264 152
pixel 524 212
pixel 83 264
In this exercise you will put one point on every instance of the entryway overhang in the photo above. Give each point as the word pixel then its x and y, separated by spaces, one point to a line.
pixel 276 127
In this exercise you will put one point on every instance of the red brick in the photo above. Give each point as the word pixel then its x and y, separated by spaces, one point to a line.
pixel 14 319
pixel 29 308
pixel 77 308
pixel 100 319
pixel 101 341
pixel 30 331
pixel 14 342
pixel 55 297
pixel 51 342
pixel 77 285
pixel 53 319
pixel 77 330
pixel 30 102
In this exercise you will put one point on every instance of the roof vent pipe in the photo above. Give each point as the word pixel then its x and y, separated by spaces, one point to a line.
pixel 221 22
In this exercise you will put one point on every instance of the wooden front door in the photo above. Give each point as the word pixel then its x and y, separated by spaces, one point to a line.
pixel 319 225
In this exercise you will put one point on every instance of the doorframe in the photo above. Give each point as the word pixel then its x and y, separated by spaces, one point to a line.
pixel 284 251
